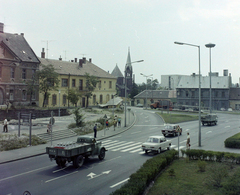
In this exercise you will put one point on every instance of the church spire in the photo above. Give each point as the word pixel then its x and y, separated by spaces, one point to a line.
pixel 129 62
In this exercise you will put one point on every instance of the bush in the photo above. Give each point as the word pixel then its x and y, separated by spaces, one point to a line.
pixel 232 186
pixel 202 165
pixel 78 117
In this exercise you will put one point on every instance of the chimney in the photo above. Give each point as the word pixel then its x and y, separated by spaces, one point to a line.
pixel 80 63
pixel 90 60
pixel 225 72
pixel 84 60
pixel 22 34
pixel 1 27
pixel 75 60
pixel 72 60
pixel 60 58
pixel 42 53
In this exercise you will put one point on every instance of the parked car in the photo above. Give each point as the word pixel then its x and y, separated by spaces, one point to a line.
pixel 139 105
pixel 156 144
pixel 171 129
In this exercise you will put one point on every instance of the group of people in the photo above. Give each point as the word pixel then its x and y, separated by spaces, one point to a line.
pixel 115 123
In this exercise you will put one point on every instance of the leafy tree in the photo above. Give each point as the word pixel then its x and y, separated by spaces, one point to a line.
pixel 91 82
pixel 79 117
pixel 73 96
pixel 134 91
pixel 48 80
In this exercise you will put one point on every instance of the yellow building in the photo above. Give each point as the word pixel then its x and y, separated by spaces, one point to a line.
pixel 72 76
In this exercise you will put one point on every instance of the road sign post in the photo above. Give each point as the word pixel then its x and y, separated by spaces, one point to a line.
pixel 178 130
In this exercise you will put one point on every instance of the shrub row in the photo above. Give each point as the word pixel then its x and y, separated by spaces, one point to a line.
pixel 139 181
pixel 195 154
pixel 232 142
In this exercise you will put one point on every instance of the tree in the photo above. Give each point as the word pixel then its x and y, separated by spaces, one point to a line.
pixel 73 96
pixel 48 80
pixel 91 83
pixel 134 91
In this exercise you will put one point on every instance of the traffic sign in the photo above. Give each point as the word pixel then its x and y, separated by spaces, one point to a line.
pixel 178 129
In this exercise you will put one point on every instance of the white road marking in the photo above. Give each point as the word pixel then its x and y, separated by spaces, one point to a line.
pixel 127 146
pixel 119 183
pixel 136 132
pixel 131 148
pixel 109 160
pixel 209 132
pixel 110 148
pixel 140 149
pixel 187 129
pixel 227 126
pixel 24 173
pixel 183 141
pixel 148 125
pixel 60 177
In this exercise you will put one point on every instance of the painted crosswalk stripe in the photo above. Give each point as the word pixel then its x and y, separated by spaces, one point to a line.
pixel 127 146
pixel 140 149
pixel 119 145
pixel 130 148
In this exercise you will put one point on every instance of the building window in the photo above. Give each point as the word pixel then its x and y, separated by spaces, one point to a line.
pixel 24 94
pixel 80 84
pixel 64 82
pixel 54 99
pixel 11 97
pixel 12 73
pixel 33 73
pixel 110 84
pixel 99 85
pixel 24 73
pixel 186 93
pixel 101 99
pixel 94 99
pixel 223 94
pixel 50 82
pixel 73 83
pixel 64 100
pixel 33 95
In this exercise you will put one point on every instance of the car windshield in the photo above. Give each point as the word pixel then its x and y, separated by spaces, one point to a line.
pixel 152 140
pixel 168 127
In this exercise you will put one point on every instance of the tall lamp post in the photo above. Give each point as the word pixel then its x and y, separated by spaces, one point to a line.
pixel 210 45
pixel 125 86
pixel 59 103
pixel 146 85
pixel 199 94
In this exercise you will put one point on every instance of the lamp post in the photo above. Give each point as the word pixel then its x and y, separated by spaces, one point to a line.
pixel 146 84
pixel 59 103
pixel 199 94
pixel 210 45
pixel 125 86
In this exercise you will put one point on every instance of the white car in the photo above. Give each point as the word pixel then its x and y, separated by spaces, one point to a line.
pixel 156 144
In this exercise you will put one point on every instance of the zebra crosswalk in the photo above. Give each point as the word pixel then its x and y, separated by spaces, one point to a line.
pixel 131 146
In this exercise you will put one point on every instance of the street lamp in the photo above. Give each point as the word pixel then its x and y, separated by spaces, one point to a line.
pixel 59 103
pixel 125 79
pixel 199 94
pixel 210 45
pixel 146 84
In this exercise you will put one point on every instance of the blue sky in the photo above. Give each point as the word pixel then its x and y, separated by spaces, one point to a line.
pixel 104 30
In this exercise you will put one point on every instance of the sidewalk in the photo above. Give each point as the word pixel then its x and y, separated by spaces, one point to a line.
pixel 60 123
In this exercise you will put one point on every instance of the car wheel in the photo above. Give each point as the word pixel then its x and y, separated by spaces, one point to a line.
pixel 78 162
pixel 168 148
pixel 159 150
pixel 101 156
pixel 146 151
pixel 174 134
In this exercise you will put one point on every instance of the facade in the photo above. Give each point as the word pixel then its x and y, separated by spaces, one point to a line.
pixel 150 96
pixel 18 64
pixel 188 91
pixel 170 82
pixel 234 98
pixel 72 76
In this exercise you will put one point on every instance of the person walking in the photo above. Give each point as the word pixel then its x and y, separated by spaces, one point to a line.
pixel 107 124
pixel 188 141
pixel 95 130
pixel 114 124
pixel 5 125
pixel 119 122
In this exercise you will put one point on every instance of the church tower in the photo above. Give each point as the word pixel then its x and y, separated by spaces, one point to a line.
pixel 129 73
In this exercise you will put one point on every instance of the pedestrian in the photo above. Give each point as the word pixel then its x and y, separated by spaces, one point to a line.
pixel 49 128
pixel 5 125
pixel 114 124
pixel 107 124
pixel 95 131
pixel 119 122
pixel 188 141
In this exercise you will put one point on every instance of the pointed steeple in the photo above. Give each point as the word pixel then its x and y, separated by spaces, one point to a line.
pixel 129 62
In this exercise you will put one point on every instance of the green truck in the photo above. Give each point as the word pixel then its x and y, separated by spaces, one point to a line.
pixel 76 152
pixel 209 119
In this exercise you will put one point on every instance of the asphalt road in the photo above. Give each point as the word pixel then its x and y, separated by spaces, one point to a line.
pixel 39 175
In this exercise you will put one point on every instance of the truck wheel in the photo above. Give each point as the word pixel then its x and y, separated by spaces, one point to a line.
pixel 101 155
pixel 63 163
pixel 78 161
pixel 58 161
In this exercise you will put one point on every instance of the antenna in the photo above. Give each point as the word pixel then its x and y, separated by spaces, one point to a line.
pixel 65 51
pixel 83 54
pixel 47 45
